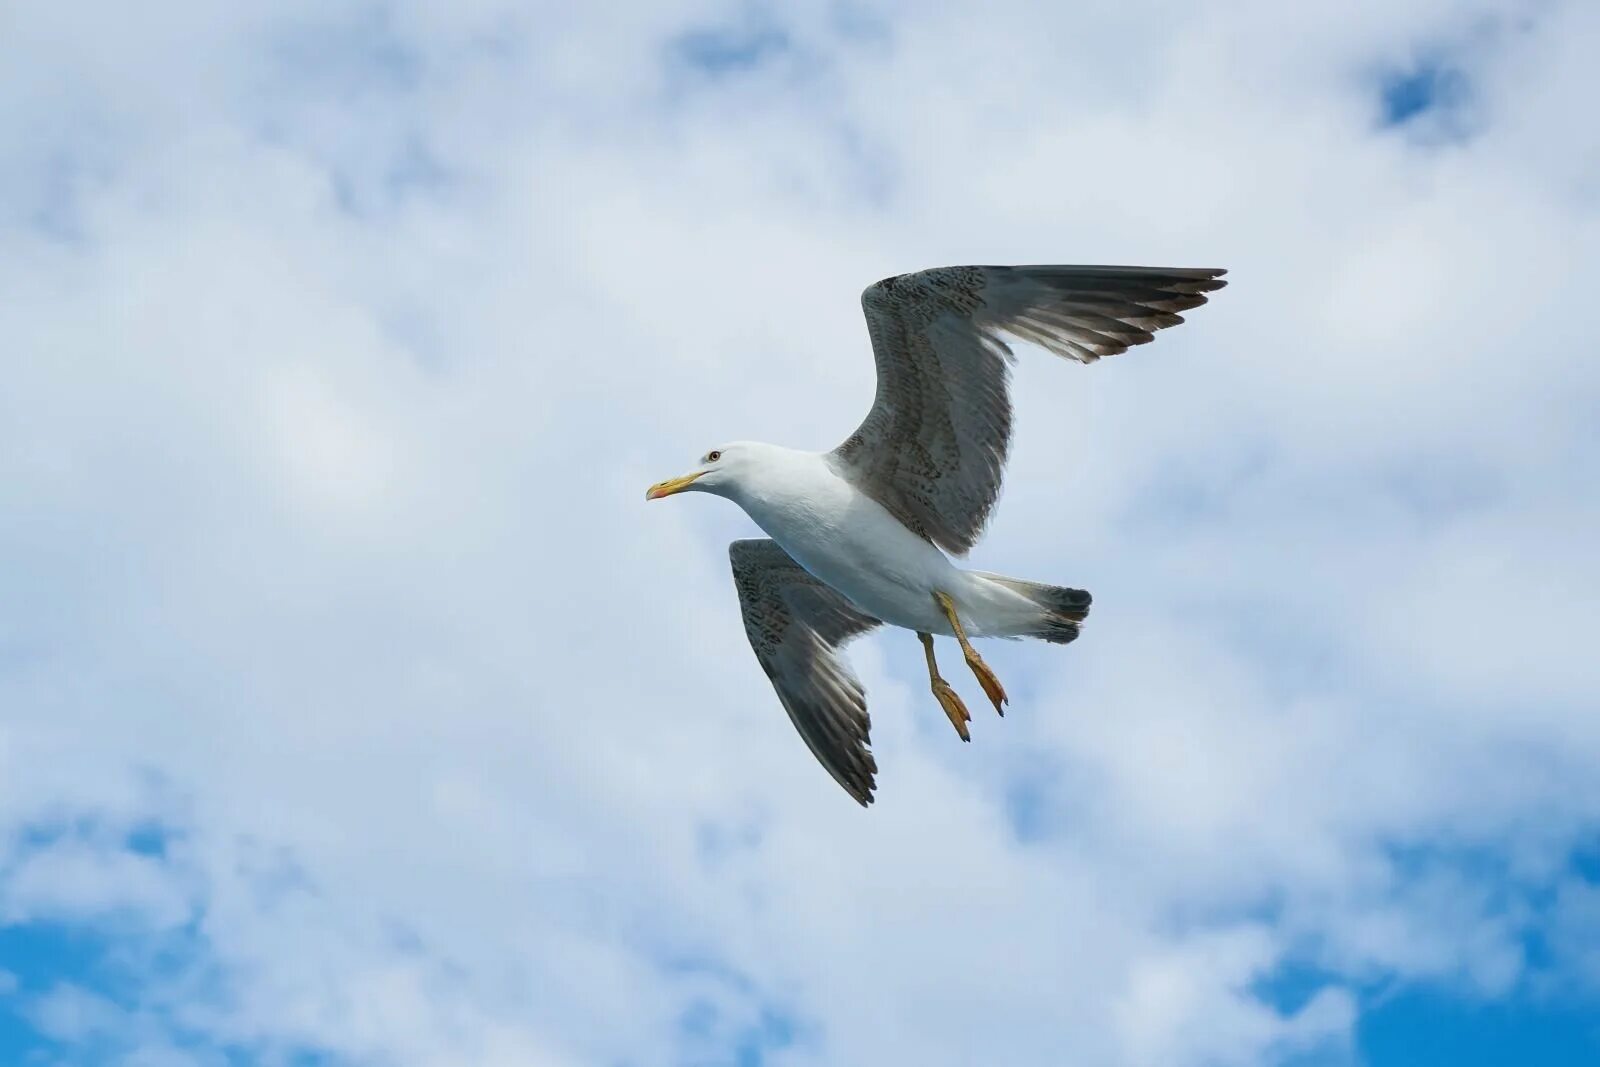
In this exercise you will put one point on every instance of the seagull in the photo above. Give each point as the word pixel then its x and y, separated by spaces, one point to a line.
pixel 863 535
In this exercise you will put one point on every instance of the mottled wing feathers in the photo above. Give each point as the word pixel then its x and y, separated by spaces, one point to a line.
pixel 796 626
pixel 933 446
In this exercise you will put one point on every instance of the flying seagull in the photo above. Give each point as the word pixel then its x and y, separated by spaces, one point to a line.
pixel 863 535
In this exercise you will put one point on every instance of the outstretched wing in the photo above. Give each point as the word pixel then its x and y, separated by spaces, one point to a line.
pixel 932 448
pixel 796 625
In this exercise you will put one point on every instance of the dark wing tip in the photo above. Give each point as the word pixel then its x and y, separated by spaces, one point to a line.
pixel 857 776
pixel 1202 280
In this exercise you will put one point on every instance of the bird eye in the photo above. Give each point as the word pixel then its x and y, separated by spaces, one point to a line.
pixel 713 456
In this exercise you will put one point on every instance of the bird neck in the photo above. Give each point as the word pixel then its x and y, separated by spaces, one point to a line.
pixel 783 486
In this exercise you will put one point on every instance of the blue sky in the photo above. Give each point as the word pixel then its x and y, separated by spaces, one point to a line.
pixel 355 710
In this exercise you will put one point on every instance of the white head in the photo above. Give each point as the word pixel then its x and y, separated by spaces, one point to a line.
pixel 724 470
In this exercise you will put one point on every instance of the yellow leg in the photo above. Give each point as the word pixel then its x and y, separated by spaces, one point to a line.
pixel 991 684
pixel 952 705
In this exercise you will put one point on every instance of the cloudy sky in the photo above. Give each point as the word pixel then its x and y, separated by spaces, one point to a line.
pixel 355 708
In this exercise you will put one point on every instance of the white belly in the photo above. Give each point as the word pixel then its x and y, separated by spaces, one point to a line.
pixel 851 542
pixel 882 567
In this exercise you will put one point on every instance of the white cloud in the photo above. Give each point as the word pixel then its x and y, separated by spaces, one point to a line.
pixel 71 881
pixel 70 1013
pixel 342 349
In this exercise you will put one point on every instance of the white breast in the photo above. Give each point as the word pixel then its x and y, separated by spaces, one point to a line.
pixel 850 541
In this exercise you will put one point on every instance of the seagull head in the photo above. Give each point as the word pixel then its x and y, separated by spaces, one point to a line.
pixel 719 471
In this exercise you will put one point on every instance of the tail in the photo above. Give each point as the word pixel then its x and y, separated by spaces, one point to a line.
pixel 1060 610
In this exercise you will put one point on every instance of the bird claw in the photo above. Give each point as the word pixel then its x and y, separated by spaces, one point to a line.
pixel 991 685
pixel 953 707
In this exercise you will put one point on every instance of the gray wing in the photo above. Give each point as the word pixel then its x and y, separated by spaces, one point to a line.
pixel 932 448
pixel 796 625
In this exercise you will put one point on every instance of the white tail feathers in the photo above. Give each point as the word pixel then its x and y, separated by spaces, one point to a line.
pixel 1059 610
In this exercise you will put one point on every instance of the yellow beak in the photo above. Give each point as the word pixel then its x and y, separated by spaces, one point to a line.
pixel 670 486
